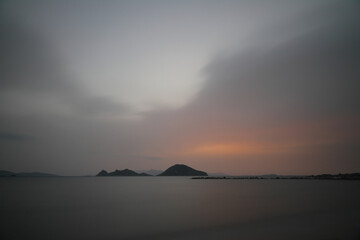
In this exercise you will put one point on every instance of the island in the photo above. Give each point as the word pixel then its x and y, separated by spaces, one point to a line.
pixel 121 173
pixel 182 170
pixel 4 173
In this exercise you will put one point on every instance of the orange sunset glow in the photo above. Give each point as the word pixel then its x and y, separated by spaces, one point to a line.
pixel 238 149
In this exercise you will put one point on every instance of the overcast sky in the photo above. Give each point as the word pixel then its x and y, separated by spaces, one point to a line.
pixel 240 87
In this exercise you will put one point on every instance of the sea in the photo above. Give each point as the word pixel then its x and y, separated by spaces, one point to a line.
pixel 178 208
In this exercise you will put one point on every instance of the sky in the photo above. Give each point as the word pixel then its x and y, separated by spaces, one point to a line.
pixel 237 87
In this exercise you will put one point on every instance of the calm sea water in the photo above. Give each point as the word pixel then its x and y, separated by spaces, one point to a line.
pixel 177 208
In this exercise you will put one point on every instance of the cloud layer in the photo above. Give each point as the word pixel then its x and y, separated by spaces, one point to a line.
pixel 286 101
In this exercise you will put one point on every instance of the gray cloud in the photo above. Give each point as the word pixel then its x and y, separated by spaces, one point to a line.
pixel 41 101
pixel 307 83
pixel 297 81
pixel 314 74
pixel 31 70
pixel 14 137
pixel 153 158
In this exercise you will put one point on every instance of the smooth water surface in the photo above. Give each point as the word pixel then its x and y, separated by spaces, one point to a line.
pixel 177 208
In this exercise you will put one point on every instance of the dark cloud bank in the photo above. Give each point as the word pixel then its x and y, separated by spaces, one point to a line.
pixel 303 89
pixel 308 82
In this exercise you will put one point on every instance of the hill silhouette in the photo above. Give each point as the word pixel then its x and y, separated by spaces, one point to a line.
pixel 4 173
pixel 121 173
pixel 182 170
pixel 152 172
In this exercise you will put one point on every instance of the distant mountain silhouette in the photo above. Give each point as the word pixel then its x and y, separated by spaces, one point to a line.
pixel 182 170
pixel 123 173
pixel 151 172
pixel 102 173
pixel 35 174
pixel 4 173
